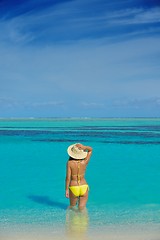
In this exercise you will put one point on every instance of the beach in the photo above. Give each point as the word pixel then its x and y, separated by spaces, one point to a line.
pixel 141 232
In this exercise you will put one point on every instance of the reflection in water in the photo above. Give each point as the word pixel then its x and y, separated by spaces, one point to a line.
pixel 77 223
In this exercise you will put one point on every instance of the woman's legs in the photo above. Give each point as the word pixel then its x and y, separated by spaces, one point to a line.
pixel 73 199
pixel 83 200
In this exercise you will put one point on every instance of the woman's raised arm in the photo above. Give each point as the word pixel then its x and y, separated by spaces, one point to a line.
pixel 88 149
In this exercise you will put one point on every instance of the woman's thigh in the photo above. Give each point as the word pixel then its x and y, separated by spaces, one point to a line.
pixel 83 200
pixel 73 199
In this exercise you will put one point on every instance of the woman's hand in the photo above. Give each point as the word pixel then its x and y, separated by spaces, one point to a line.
pixel 67 193
pixel 84 148
pixel 80 146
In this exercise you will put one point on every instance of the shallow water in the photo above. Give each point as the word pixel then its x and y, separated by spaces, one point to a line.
pixel 123 173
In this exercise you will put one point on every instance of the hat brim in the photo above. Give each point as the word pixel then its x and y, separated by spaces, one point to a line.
pixel 81 155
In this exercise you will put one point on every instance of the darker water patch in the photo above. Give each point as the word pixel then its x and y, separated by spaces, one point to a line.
pixel 45 200
pixel 80 134
pixel 133 142
pixel 23 132
pixel 59 140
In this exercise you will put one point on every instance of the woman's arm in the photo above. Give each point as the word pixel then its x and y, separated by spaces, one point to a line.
pixel 88 149
pixel 68 177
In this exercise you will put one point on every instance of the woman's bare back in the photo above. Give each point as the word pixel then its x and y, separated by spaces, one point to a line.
pixel 78 168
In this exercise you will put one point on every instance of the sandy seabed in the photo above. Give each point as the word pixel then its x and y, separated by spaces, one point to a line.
pixel 113 232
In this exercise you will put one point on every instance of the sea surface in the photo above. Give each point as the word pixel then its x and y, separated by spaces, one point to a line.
pixel 123 173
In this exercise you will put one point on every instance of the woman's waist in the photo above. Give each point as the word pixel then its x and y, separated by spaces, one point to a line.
pixel 76 183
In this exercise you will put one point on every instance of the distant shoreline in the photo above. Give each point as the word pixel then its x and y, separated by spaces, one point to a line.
pixel 78 118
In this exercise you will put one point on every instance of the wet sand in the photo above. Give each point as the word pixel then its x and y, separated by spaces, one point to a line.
pixel 133 232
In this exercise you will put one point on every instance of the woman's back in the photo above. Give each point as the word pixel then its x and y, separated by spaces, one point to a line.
pixel 78 168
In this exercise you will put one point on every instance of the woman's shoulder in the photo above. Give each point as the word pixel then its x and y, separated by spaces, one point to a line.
pixel 83 162
pixel 70 162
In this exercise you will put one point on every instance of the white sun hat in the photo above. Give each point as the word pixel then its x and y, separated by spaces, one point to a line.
pixel 75 152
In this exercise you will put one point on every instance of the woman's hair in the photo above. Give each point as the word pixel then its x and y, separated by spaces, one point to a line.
pixel 70 158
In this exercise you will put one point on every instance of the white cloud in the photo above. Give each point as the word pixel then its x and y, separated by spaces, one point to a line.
pixel 92 105
pixel 148 16
pixel 64 21
pixel 83 70
pixel 8 102
pixel 137 103
pixel 14 31
pixel 135 16
pixel 46 104
pixel 157 101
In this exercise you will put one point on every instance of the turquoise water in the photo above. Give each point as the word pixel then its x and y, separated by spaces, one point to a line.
pixel 123 174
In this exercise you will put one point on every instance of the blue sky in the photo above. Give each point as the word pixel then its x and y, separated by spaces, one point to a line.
pixel 79 58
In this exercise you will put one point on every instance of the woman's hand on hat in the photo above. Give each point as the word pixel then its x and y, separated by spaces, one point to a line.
pixel 80 146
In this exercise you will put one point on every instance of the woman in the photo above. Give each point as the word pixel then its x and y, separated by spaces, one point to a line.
pixel 76 185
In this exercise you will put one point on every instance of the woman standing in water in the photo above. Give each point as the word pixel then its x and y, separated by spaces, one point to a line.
pixel 76 185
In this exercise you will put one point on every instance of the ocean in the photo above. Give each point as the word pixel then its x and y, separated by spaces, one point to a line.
pixel 123 174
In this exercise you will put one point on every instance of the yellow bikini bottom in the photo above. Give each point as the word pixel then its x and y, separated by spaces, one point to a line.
pixel 79 191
